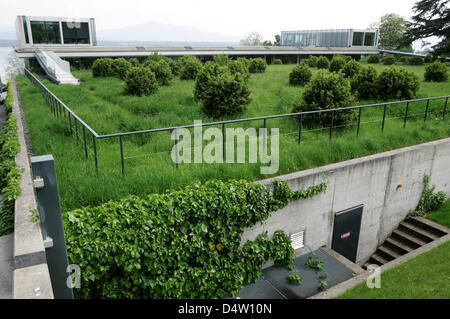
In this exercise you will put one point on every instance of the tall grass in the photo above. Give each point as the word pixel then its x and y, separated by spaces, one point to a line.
pixel 100 102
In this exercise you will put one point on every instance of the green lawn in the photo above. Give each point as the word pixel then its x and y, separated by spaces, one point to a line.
pixel 100 102
pixel 425 276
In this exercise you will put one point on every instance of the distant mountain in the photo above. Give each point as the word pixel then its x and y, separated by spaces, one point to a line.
pixel 157 32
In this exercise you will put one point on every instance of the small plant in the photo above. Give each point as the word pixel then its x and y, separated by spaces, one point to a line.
pixel 257 65
pixel 323 275
pixel 373 58
pixel 35 216
pixel 295 278
pixel 322 285
pixel 314 262
pixel 429 201
pixel 436 72
pixel 323 62
pixel 415 60
pixel 388 60
pixel 277 61
pixel 300 74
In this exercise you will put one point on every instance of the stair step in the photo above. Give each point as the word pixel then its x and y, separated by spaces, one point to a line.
pixel 399 245
pixel 425 235
pixel 410 239
pixel 378 259
pixel 389 252
pixel 366 265
pixel 429 226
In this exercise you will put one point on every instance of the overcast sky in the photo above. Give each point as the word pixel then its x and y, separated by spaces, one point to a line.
pixel 228 17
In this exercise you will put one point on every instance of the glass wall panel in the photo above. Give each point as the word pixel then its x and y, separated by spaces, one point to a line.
pixel 76 33
pixel 45 32
pixel 25 29
pixel 369 39
pixel 358 38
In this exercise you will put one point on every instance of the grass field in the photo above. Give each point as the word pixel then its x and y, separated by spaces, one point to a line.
pixel 425 276
pixel 100 102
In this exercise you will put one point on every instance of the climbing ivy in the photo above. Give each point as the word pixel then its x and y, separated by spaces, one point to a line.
pixel 179 244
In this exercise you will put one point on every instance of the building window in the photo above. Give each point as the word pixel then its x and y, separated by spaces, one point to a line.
pixel 25 29
pixel 45 32
pixel 369 39
pixel 76 33
pixel 358 38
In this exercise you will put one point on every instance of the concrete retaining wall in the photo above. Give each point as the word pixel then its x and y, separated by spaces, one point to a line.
pixel 373 181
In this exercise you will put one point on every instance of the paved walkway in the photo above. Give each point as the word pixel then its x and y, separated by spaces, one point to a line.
pixel 6 246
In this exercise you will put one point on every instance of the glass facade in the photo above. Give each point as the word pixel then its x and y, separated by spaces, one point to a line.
pixel 328 38
pixel 25 29
pixel 76 33
pixel 45 32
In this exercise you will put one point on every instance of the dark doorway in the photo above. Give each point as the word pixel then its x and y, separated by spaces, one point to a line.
pixel 347 224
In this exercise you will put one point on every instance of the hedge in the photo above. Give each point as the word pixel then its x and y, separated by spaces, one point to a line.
pixel 179 244
pixel 9 174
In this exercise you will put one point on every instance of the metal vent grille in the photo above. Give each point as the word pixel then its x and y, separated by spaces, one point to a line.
pixel 298 239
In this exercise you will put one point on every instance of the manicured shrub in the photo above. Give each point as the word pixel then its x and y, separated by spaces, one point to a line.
pixel 373 58
pixel 221 92
pixel 244 61
pixel 300 74
pixel 312 61
pixel 428 58
pixel 337 63
pixel 326 91
pixel 179 244
pixel 162 71
pixel 239 66
pixel 395 82
pixel 140 81
pixel 102 67
pixel 351 68
pixel 388 60
pixel 323 62
pixel 120 67
pixel 436 72
pixel 403 59
pixel 221 59
pixel 415 60
pixel 277 61
pixel 189 67
pixel 257 65
pixel 364 83
pixel 134 61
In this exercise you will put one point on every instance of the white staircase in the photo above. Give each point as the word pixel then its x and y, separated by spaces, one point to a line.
pixel 56 69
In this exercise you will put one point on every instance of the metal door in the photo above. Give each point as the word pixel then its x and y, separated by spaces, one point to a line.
pixel 346 229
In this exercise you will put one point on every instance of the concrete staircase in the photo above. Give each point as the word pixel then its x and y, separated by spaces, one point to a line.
pixel 411 234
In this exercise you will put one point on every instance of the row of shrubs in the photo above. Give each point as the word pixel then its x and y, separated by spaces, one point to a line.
pixel 9 174
pixel 411 60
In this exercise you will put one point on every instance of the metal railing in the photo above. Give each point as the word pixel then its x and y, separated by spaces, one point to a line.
pixel 59 109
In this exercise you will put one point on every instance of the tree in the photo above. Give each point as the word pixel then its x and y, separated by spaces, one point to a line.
pixel 253 38
pixel 431 18
pixel 392 28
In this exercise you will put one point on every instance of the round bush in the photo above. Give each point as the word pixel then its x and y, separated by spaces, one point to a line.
pixel 388 60
pixel 257 65
pixel 337 63
pixel 415 60
pixel 120 67
pixel 364 83
pixel 134 61
pixel 221 92
pixel 102 67
pixel 351 68
pixel 221 59
pixel 373 58
pixel 277 61
pixel 323 62
pixel 162 71
pixel 326 91
pixel 403 59
pixel 300 74
pixel 239 66
pixel 244 61
pixel 140 81
pixel 395 82
pixel 189 67
pixel 428 58
pixel 312 61
pixel 436 72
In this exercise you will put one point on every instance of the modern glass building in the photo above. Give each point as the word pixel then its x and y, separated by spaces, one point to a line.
pixel 331 38
pixel 42 31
